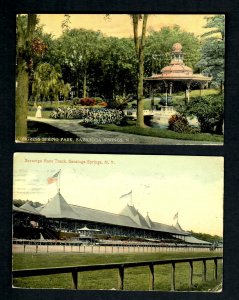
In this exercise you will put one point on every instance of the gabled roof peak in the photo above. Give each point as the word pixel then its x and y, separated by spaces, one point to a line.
pixel 27 206
pixel 57 207
pixel 135 215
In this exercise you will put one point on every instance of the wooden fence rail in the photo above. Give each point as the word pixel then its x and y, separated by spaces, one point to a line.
pixel 33 247
pixel 121 268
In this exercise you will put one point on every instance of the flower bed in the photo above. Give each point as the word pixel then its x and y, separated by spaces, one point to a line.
pixel 89 116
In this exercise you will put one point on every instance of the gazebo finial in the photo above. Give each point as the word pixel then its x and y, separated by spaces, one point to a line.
pixel 177 47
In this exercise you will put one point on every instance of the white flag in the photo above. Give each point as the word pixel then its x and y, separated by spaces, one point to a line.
pixel 125 195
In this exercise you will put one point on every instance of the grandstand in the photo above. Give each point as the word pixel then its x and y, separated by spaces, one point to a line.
pixel 58 220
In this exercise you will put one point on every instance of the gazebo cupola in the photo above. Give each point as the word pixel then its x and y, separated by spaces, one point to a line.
pixel 177 54
pixel 177 68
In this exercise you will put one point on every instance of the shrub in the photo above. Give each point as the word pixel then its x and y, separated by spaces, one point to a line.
pixel 67 113
pixel 119 102
pixel 103 116
pixel 179 124
pixel 103 104
pixel 76 100
pixel 98 99
pixel 209 111
pixel 87 101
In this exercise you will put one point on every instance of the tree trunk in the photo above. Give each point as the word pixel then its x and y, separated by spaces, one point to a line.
pixel 85 85
pixel 77 86
pixel 124 90
pixel 136 37
pixel 21 100
pixel 140 103
pixel 22 79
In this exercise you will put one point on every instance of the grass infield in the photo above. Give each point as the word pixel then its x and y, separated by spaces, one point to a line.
pixel 135 278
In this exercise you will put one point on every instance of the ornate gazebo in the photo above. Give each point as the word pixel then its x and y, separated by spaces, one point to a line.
pixel 178 72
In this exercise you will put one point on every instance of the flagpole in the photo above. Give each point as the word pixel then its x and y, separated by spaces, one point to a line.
pixel 59 184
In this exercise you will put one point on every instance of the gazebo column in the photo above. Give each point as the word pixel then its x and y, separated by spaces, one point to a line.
pixel 170 88
pixel 166 93
pixel 152 95
pixel 188 91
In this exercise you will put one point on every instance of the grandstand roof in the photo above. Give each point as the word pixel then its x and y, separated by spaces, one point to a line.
pixel 147 223
pixel 177 226
pixel 58 208
pixel 27 206
pixel 168 228
pixel 25 210
pixel 133 214
pixel 148 220
pixel 192 240
pixel 95 215
pixel 15 208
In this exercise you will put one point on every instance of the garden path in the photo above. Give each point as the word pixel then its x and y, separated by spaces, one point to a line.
pixel 98 136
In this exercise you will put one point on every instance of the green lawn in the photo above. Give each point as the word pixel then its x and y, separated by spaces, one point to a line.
pixel 162 133
pixel 135 278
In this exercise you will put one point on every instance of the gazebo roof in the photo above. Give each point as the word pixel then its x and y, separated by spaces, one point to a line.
pixel 177 67
pixel 177 70
pixel 173 76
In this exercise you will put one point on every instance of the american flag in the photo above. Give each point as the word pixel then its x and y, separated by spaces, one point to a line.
pixel 53 178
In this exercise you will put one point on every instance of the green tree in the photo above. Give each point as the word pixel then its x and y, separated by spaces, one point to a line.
pixel 118 65
pixel 217 23
pixel 65 25
pixel 213 50
pixel 139 42
pixel 206 237
pixel 47 83
pixel 209 111
pixel 77 48
pixel 18 203
pixel 25 34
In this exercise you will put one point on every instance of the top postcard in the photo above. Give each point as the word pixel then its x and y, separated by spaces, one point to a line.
pixel 120 79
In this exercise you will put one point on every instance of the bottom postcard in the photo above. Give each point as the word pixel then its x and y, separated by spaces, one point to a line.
pixel 117 222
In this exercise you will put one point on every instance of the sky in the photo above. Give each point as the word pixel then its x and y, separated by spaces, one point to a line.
pixel 161 185
pixel 120 24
